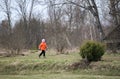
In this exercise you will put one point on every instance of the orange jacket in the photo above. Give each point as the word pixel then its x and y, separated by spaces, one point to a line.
pixel 42 46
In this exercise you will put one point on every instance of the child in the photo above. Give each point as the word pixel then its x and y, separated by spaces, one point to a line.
pixel 42 47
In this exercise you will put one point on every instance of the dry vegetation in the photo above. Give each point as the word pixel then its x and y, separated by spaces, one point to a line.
pixel 59 65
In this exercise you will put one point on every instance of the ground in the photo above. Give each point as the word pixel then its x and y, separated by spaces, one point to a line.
pixel 57 67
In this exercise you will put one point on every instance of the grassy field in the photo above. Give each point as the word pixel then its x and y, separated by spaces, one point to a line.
pixel 57 67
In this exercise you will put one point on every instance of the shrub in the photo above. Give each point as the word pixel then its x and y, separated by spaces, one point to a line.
pixel 92 51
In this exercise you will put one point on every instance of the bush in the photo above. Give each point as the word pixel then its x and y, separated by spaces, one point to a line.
pixel 92 51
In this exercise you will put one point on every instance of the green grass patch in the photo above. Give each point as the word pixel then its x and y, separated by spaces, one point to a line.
pixel 57 67
pixel 57 76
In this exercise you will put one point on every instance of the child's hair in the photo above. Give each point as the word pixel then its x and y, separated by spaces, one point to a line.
pixel 43 40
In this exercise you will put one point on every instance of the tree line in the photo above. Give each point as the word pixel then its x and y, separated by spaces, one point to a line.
pixel 68 23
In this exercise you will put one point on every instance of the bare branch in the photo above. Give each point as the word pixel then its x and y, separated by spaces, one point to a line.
pixel 70 2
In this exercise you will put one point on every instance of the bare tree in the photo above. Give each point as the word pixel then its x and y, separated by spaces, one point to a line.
pixel 26 32
pixel 6 25
pixel 113 34
pixel 115 11
pixel 6 8
pixel 31 9
pixel 19 37
pixel 91 6
pixel 25 12
pixel 58 32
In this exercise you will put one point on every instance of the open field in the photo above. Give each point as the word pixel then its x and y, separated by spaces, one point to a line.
pixel 57 76
pixel 57 67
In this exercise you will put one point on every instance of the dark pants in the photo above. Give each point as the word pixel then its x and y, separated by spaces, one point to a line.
pixel 43 52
